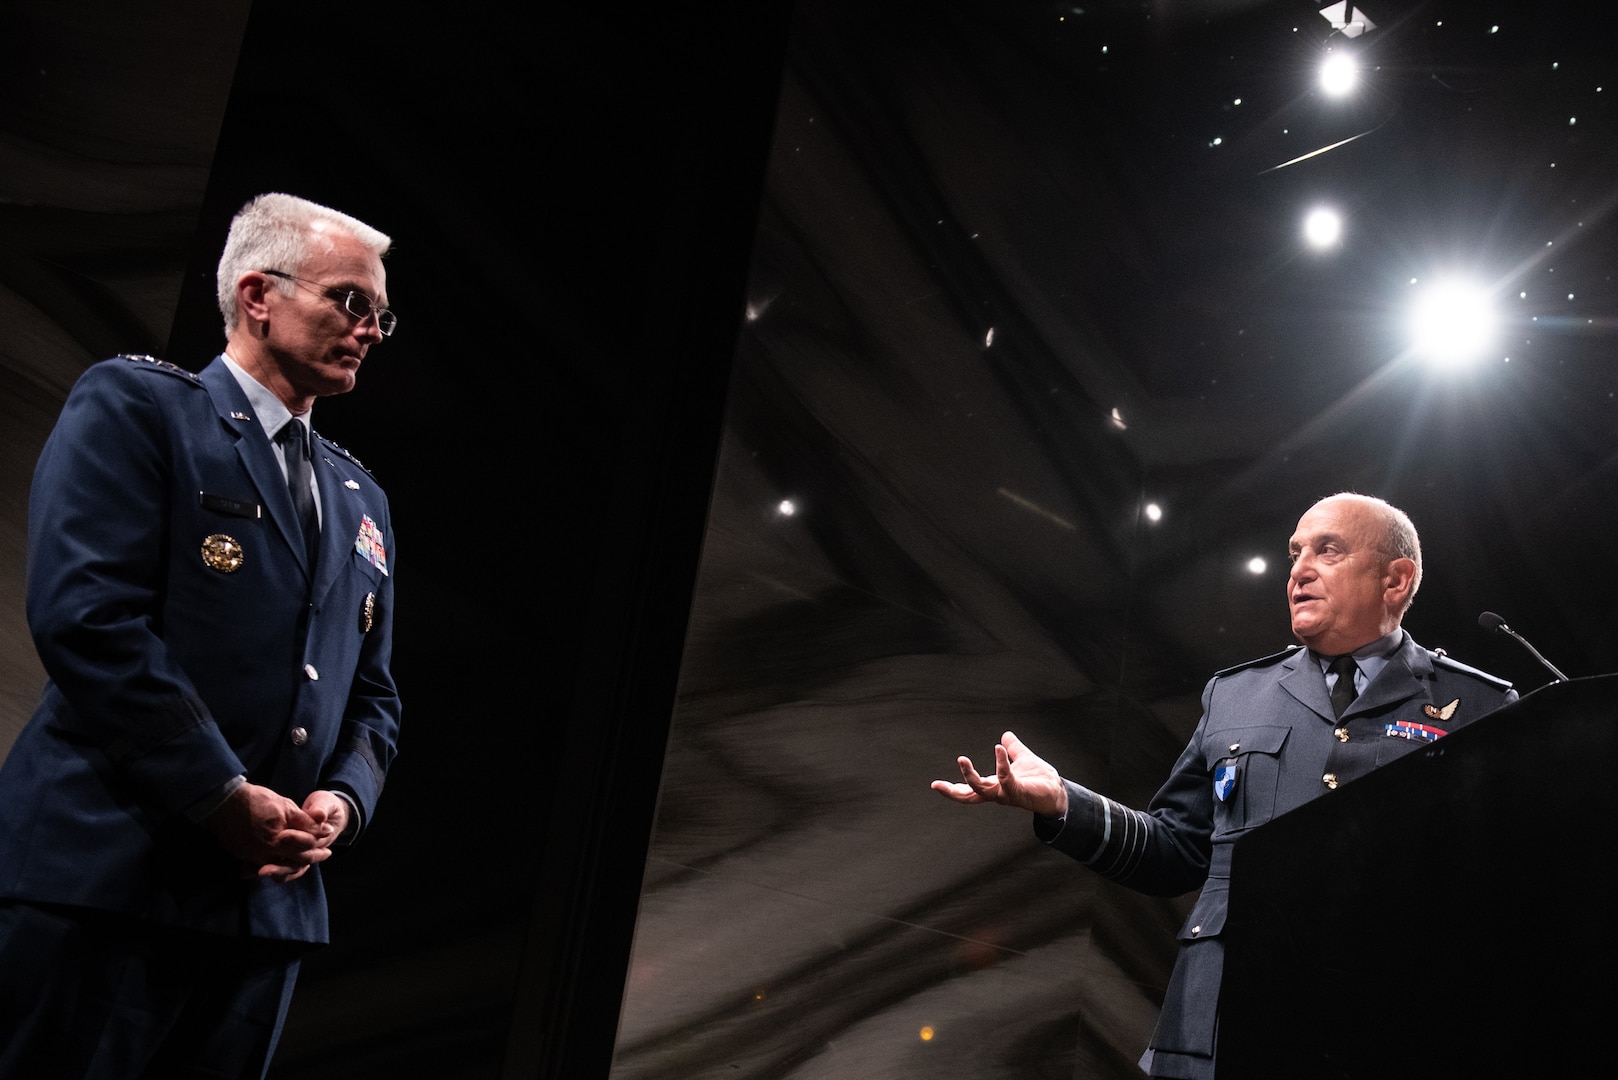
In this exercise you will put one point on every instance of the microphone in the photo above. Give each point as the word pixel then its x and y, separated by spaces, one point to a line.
pixel 1494 624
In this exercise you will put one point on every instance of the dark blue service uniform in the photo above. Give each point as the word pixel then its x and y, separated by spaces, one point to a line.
pixel 188 640
pixel 1267 742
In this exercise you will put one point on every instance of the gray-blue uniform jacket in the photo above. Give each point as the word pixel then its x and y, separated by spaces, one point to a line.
pixel 1268 734
pixel 188 641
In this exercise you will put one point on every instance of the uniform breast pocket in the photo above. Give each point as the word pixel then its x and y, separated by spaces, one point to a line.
pixel 1392 745
pixel 365 571
pixel 1244 766
pixel 222 543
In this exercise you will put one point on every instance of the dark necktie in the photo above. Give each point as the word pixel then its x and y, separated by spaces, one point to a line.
pixel 1343 692
pixel 295 446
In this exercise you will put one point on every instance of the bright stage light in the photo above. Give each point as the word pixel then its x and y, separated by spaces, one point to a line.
pixel 1452 322
pixel 1338 74
pixel 1322 228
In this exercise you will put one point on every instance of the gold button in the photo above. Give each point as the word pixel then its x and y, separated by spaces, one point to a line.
pixel 1342 734
pixel 299 736
pixel 1330 780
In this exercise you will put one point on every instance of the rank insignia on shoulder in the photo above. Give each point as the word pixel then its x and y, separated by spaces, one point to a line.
pixel 340 450
pixel 1224 778
pixel 1409 729
pixel 1435 713
pixel 176 369
pixel 222 553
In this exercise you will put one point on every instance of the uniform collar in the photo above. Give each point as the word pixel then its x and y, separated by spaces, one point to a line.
pixel 271 412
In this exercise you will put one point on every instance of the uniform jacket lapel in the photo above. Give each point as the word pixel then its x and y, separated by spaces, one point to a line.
pixel 340 521
pixel 256 454
pixel 1403 678
pixel 1304 682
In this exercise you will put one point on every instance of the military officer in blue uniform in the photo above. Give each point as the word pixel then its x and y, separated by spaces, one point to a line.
pixel 1274 734
pixel 210 590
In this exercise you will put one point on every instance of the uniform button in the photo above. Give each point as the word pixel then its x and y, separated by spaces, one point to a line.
pixel 309 670
pixel 1235 746
pixel 1195 930
pixel 299 736
pixel 1330 780
pixel 1342 734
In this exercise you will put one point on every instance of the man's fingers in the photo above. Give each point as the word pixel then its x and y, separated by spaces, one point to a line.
pixel 969 773
pixel 297 818
pixel 958 792
pixel 1002 764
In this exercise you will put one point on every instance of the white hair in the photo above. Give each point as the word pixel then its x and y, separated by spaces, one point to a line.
pixel 272 232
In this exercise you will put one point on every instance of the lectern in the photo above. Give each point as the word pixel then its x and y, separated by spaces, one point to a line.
pixel 1452 914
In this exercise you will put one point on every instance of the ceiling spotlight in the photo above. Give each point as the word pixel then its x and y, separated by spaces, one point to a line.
pixel 1154 512
pixel 1257 565
pixel 1338 74
pixel 1347 17
pixel 1322 228
pixel 1452 322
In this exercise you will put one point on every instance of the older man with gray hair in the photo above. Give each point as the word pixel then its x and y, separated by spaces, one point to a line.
pixel 210 589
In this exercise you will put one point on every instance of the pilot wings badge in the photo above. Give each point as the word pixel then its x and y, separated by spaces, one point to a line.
pixel 1435 713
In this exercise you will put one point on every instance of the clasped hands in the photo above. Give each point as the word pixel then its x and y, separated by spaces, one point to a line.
pixel 272 836
pixel 1021 778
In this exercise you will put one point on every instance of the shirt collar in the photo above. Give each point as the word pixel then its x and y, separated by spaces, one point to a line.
pixel 271 413
pixel 1370 658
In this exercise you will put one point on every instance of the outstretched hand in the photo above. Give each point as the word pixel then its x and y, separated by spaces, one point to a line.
pixel 1021 778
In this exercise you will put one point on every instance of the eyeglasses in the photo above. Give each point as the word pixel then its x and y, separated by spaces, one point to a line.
pixel 354 302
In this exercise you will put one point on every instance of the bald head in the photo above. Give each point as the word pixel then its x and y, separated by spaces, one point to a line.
pixel 1356 565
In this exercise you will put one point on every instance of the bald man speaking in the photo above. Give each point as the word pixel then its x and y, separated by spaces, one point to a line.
pixel 1274 734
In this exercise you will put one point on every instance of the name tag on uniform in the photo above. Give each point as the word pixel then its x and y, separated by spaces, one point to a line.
pixel 220 504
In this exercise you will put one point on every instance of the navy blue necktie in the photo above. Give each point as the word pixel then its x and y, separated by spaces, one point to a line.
pixel 295 446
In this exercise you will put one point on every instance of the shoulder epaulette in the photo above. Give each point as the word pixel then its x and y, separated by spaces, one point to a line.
pixel 154 364
pixel 1442 659
pixel 1263 661
pixel 345 454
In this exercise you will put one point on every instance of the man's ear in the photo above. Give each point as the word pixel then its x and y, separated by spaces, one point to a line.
pixel 1400 579
pixel 252 291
